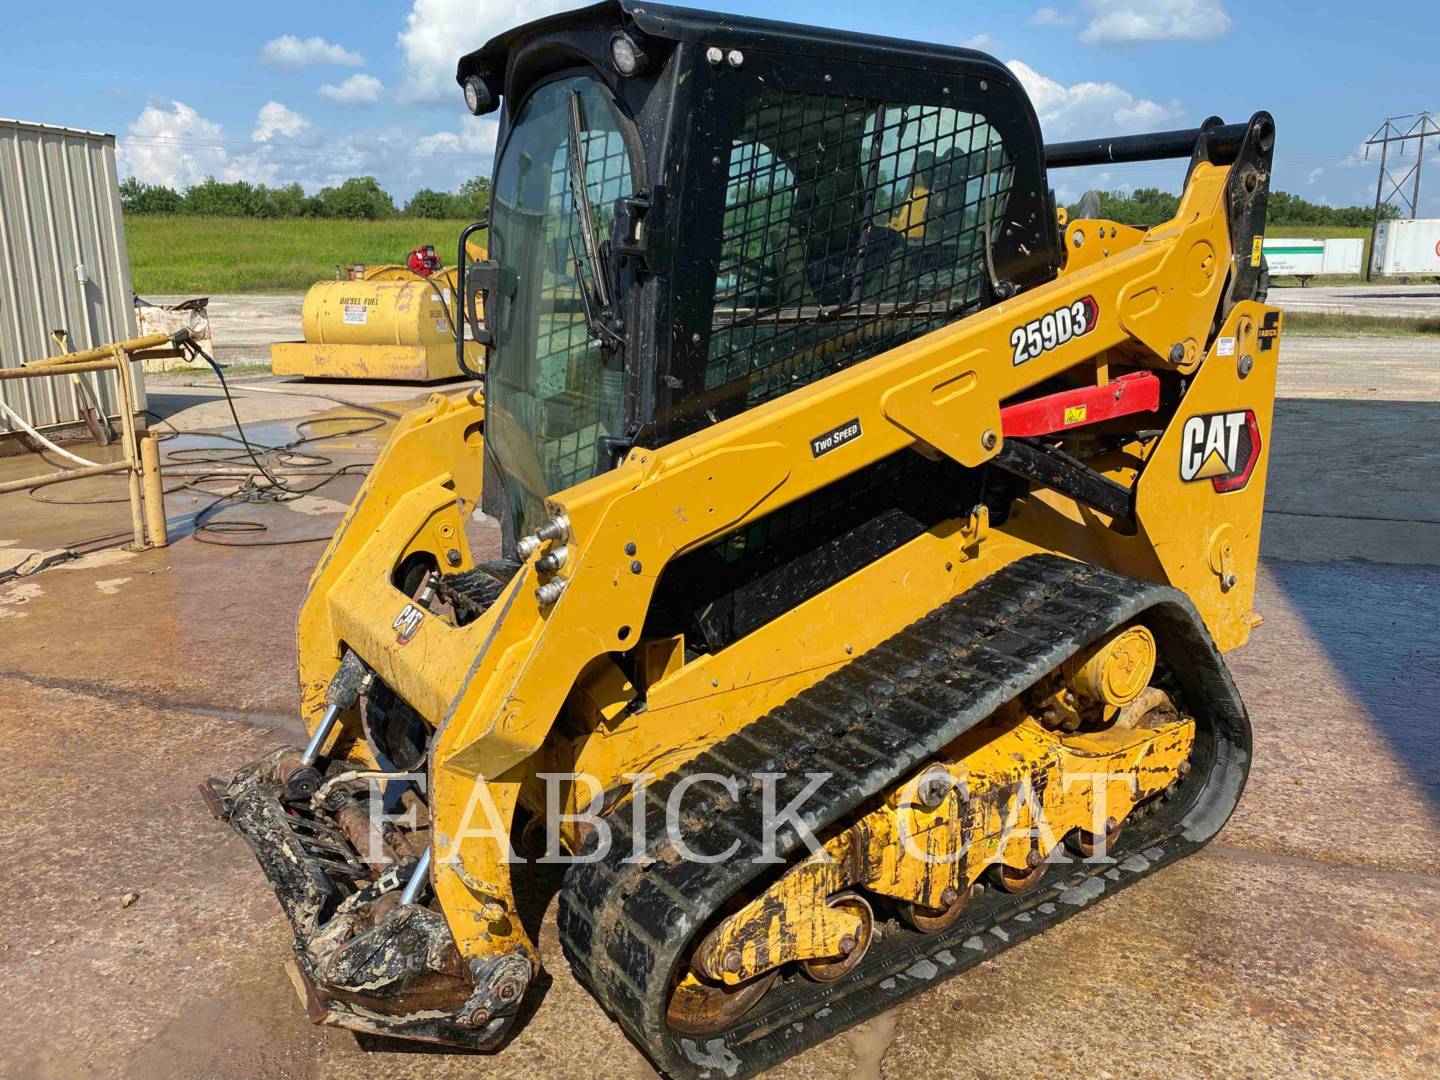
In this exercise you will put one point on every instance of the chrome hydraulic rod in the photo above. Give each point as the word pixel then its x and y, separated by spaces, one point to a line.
pixel 418 877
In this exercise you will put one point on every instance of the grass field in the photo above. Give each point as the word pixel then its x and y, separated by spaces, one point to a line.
pixel 1340 324
pixel 182 254
pixel 204 255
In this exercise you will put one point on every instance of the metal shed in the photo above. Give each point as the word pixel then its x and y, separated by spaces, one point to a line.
pixel 63 264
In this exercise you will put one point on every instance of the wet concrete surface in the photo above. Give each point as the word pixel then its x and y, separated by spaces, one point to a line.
pixel 1395 301
pixel 1303 942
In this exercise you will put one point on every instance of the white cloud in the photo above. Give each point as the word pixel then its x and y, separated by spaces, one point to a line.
pixel 441 160
pixel 979 41
pixel 170 143
pixel 1315 174
pixel 438 32
pixel 292 54
pixel 1048 16
pixel 1155 20
pixel 445 159
pixel 1089 108
pixel 275 119
pixel 358 89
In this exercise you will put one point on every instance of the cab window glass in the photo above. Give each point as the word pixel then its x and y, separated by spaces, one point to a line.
pixel 851 226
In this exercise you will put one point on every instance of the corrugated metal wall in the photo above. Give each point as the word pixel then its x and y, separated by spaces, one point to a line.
pixel 60 209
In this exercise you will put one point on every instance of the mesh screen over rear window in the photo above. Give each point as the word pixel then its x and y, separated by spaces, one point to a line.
pixel 851 226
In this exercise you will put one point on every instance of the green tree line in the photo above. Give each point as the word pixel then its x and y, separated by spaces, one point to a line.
pixel 363 197
pixel 358 197
pixel 1145 207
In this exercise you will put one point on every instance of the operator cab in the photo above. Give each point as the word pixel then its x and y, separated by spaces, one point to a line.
pixel 693 214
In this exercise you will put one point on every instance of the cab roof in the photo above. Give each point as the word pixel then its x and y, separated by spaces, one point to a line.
pixel 677 24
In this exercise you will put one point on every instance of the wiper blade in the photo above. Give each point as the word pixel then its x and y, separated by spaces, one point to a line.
pixel 581 197
pixel 598 325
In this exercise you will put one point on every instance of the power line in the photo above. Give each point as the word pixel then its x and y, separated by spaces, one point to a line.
pixel 1392 131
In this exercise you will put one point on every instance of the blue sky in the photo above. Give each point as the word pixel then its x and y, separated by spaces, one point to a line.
pixel 275 92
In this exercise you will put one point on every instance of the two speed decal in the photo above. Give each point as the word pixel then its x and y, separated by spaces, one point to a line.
pixel 835 438
pixel 1039 336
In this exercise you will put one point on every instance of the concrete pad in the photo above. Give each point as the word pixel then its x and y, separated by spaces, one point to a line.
pixel 195 623
pixel 243 325
pixel 1226 964
pixel 1353 479
pixel 196 402
pixel 1398 301
pixel 189 979
pixel 1302 943
pixel 1338 681
pixel 1295 965
pixel 1368 369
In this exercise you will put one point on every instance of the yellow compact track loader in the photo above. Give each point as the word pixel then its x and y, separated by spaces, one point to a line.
pixel 834 575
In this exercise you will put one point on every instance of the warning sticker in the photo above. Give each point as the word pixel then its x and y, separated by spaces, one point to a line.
pixel 1074 414
pixel 1257 249
pixel 442 325
pixel 1225 347
pixel 356 314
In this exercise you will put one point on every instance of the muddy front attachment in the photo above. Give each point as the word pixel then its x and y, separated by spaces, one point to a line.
pixel 363 959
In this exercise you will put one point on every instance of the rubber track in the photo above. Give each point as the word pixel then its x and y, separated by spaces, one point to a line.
pixel 471 592
pixel 626 924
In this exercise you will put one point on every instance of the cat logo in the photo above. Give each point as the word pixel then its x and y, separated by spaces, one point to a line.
pixel 406 623
pixel 1220 447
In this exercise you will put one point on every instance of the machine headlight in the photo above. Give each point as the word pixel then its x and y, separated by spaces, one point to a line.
pixel 477 96
pixel 628 56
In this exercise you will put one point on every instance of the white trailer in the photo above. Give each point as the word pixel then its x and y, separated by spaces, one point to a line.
pixel 1291 256
pixel 1407 247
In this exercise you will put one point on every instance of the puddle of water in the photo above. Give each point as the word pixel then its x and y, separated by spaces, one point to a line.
pixel 340 428
pixel 316 504
pixel 16 596
pixel 21 593
pixel 12 558
pixel 97 559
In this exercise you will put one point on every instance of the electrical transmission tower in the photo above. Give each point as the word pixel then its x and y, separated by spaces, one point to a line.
pixel 1393 130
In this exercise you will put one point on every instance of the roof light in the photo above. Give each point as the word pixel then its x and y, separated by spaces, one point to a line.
pixel 629 57
pixel 478 98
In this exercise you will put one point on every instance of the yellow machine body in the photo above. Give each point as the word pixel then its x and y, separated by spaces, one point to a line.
pixel 560 699
pixel 528 689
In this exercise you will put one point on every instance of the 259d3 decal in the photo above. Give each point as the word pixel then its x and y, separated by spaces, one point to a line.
pixel 1220 447
pixel 1050 331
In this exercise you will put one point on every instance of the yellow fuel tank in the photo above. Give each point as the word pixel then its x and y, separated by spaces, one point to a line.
pixel 393 326
pixel 377 312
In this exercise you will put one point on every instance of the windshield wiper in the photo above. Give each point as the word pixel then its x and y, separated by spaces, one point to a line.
pixel 598 283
